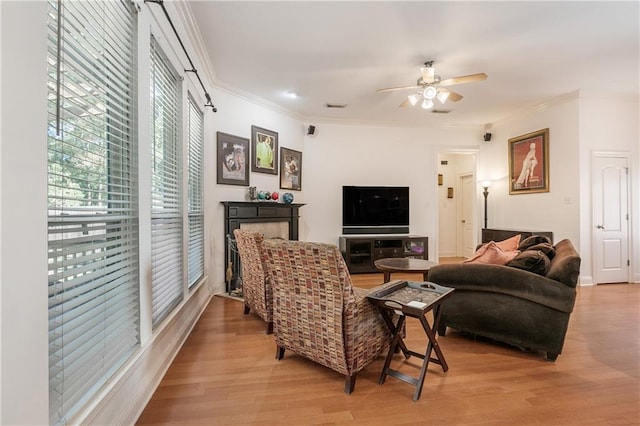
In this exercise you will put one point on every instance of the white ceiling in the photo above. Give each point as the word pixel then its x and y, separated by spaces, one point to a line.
pixel 341 52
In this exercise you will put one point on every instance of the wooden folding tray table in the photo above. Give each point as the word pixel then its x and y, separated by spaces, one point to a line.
pixel 411 299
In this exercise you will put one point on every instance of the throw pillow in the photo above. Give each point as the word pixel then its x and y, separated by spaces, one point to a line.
pixel 532 241
pixel 510 244
pixel 533 261
pixel 492 254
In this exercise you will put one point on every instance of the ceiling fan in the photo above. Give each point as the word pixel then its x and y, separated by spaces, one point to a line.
pixel 430 86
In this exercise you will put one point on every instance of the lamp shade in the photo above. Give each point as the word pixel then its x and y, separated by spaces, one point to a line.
pixel 414 99
pixel 443 95
pixel 427 104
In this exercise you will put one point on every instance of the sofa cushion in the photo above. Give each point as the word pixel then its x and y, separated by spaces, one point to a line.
pixel 532 241
pixel 533 261
pixel 566 264
pixel 492 254
pixel 546 248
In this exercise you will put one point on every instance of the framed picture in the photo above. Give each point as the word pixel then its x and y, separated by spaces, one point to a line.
pixel 233 155
pixel 290 169
pixel 529 163
pixel 264 151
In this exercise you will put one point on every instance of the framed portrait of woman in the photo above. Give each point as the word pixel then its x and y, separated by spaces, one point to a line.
pixel 290 169
pixel 264 151
pixel 529 163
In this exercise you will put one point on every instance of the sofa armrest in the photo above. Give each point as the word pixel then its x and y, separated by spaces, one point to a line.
pixel 505 280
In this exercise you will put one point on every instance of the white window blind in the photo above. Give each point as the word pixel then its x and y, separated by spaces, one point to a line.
pixel 195 203
pixel 92 206
pixel 166 195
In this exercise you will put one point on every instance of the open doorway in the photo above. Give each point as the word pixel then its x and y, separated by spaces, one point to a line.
pixel 457 205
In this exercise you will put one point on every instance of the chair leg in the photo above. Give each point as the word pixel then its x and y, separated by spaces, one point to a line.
pixel 349 383
pixel 247 309
pixel 279 352
pixel 270 327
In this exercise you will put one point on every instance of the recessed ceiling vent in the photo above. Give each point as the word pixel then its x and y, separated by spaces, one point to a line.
pixel 440 111
pixel 336 105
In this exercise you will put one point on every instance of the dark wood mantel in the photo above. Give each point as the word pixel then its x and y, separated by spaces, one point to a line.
pixel 238 212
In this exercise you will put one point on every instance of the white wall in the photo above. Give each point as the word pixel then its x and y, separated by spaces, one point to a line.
pixel 370 155
pixel 235 116
pixel 557 210
pixel 578 124
pixel 608 124
pixel 25 351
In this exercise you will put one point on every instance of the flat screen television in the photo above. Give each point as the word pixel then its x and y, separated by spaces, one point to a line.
pixel 375 209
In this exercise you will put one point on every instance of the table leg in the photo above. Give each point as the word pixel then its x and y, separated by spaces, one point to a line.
pixel 397 340
pixel 396 329
pixel 387 276
pixel 431 333
pixel 432 345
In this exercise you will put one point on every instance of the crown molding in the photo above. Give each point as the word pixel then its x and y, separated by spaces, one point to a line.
pixel 193 33
pixel 537 107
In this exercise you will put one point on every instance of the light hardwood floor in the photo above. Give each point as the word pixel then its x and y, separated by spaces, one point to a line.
pixel 227 374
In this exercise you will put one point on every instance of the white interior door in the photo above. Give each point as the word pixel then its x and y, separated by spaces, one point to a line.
pixel 466 242
pixel 610 217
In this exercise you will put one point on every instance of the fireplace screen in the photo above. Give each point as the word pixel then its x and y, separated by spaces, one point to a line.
pixel 233 275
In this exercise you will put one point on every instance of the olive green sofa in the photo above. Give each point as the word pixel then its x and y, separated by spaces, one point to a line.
pixel 512 305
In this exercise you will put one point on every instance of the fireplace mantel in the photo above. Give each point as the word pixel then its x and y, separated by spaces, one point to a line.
pixel 238 212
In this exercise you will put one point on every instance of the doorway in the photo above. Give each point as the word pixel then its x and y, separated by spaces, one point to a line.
pixel 610 215
pixel 457 200
pixel 466 213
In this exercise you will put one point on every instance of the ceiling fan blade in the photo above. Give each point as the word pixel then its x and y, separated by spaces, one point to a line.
pixel 406 103
pixel 428 74
pixel 463 79
pixel 454 97
pixel 390 89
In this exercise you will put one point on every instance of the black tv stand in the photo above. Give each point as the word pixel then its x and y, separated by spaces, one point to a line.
pixel 359 230
pixel 361 251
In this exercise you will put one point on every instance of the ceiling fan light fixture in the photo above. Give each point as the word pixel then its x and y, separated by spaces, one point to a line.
pixel 427 104
pixel 429 92
pixel 414 99
pixel 442 96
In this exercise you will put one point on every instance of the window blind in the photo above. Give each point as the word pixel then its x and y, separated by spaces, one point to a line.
pixel 195 203
pixel 92 207
pixel 166 193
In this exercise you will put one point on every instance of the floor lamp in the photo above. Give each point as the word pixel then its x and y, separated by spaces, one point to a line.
pixel 485 186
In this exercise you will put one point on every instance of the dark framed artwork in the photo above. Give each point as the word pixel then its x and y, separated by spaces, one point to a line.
pixel 529 163
pixel 233 155
pixel 264 150
pixel 290 169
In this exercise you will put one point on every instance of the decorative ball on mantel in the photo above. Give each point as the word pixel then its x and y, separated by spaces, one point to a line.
pixel 275 196
pixel 262 195
pixel 287 198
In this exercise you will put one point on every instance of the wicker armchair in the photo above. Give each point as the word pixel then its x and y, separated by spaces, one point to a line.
pixel 317 313
pixel 256 288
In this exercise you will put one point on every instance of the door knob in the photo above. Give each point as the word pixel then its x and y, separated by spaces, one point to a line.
pixel 463 221
pixel 600 227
